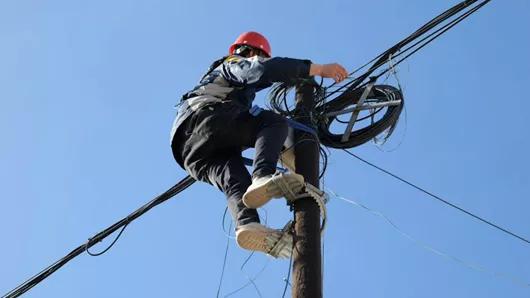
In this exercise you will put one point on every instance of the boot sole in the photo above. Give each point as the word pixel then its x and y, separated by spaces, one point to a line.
pixel 258 196
pixel 257 240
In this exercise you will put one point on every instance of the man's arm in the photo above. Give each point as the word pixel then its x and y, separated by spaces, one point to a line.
pixel 256 70
pixel 333 71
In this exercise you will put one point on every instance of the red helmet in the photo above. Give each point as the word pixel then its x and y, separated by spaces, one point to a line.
pixel 253 39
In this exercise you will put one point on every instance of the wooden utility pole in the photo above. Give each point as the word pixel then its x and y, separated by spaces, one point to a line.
pixel 307 269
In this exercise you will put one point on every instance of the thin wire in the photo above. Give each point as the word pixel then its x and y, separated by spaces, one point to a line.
pixel 439 198
pixel 224 262
pixel 476 267
pixel 402 139
pixel 379 144
pixel 227 234
pixel 250 279
pixel 286 280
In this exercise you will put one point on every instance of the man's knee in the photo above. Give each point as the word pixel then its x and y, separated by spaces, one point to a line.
pixel 236 185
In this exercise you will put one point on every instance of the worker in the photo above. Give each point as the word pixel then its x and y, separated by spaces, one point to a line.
pixel 215 123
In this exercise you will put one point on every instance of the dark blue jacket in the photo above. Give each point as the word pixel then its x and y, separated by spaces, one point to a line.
pixel 237 79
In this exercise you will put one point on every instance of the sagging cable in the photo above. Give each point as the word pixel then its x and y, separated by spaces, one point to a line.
pixel 491 224
pixel 510 277
pixel 30 283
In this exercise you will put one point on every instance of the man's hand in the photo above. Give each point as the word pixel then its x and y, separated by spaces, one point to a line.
pixel 333 71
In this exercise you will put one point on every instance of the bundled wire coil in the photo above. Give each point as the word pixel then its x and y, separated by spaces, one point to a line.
pixel 379 93
pixel 334 97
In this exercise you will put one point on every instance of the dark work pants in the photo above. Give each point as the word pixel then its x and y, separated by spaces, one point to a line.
pixel 208 145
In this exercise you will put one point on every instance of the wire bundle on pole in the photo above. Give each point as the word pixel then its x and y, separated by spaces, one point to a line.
pixel 334 98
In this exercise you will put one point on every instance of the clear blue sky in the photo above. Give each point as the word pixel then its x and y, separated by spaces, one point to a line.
pixel 87 90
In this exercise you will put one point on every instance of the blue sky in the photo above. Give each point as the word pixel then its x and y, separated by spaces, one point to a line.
pixel 87 94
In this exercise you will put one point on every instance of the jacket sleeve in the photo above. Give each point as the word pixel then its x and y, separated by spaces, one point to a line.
pixel 262 71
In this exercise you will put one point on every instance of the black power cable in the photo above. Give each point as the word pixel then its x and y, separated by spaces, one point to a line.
pixel 440 199
pixel 384 57
pixel 349 93
pixel 429 38
pixel 177 188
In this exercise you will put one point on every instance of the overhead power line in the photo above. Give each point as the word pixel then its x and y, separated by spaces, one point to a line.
pixel 477 267
pixel 440 199
pixel 30 283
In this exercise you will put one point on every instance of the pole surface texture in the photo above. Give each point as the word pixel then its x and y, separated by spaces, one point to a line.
pixel 307 269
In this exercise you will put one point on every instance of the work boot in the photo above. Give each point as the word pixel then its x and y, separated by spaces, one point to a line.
pixel 263 189
pixel 257 237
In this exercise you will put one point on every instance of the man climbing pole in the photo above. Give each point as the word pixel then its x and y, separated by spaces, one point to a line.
pixel 215 123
